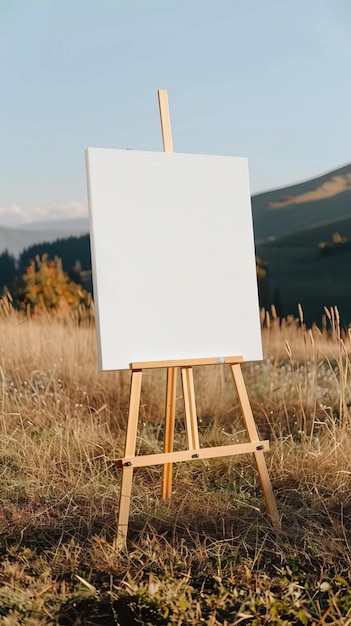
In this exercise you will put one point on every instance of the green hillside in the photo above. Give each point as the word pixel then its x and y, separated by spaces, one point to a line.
pixel 299 215
pixel 300 274
pixel 289 239
pixel 312 236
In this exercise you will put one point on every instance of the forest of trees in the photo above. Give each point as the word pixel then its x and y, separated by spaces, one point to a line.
pixel 74 253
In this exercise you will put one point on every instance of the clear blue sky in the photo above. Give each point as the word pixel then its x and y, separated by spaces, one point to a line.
pixel 265 79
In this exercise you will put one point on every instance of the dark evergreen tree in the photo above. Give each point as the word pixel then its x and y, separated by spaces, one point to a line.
pixel 7 271
pixel 263 283
pixel 277 302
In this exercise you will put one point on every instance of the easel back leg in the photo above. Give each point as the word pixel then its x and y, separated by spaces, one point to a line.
pixel 192 430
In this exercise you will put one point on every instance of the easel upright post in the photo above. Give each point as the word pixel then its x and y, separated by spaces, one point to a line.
pixel 166 489
pixel 165 120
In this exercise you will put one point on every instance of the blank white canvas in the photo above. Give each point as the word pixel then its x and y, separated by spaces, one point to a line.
pixel 173 257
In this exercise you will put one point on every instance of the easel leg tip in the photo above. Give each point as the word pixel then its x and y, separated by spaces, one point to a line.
pixel 120 543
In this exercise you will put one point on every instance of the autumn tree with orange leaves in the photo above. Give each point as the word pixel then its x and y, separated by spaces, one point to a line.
pixel 48 288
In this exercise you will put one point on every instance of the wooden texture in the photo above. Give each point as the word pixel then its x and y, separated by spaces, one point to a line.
pixel 171 396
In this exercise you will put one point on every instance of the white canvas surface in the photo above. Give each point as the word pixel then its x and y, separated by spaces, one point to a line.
pixel 173 257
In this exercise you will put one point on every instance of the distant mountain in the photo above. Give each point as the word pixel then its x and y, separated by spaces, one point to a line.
pixel 14 240
pixel 78 225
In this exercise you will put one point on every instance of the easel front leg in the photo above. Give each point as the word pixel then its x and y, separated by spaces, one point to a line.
pixel 169 430
pixel 127 470
pixel 253 436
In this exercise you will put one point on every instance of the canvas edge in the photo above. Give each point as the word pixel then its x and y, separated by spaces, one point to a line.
pixel 88 153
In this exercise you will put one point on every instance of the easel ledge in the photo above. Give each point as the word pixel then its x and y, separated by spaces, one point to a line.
pixel 141 365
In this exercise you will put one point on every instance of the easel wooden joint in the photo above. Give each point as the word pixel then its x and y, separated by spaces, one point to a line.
pixel 193 452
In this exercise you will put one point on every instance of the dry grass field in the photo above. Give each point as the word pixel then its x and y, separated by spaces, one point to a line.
pixel 209 555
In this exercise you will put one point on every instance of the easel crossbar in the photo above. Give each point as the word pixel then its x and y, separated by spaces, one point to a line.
pixel 192 455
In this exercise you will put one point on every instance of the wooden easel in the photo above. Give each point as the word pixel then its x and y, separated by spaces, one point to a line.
pixel 193 452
